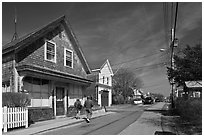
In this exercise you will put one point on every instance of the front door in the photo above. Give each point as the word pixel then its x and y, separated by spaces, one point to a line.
pixel 104 98
pixel 60 101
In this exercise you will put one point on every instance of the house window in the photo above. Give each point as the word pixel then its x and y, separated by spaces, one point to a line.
pixel 103 79
pixel 107 80
pixel 38 89
pixel 68 58
pixel 50 51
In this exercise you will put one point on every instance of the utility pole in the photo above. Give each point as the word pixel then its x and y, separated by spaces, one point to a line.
pixel 173 32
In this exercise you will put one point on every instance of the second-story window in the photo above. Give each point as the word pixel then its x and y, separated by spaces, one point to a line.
pixel 107 80
pixel 103 79
pixel 68 56
pixel 50 51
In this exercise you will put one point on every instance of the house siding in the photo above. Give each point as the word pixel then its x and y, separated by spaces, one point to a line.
pixel 64 86
pixel 37 57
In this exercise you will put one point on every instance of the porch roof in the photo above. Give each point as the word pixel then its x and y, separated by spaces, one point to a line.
pixel 102 85
pixel 194 84
pixel 52 74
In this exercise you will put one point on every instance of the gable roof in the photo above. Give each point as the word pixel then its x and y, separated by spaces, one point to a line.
pixel 31 37
pixel 109 66
pixel 193 84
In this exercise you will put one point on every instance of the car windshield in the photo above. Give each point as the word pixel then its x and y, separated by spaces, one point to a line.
pixel 148 98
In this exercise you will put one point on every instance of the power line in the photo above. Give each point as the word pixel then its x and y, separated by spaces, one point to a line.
pixel 128 61
pixel 132 60
pixel 166 26
pixel 141 68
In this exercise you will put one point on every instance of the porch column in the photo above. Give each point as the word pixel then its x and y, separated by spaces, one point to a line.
pixel 55 111
pixel 53 88
pixel 110 97
pixel 65 101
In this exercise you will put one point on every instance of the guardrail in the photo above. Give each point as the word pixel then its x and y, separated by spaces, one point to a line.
pixel 13 117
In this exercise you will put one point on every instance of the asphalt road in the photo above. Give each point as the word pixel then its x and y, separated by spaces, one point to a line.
pixel 111 124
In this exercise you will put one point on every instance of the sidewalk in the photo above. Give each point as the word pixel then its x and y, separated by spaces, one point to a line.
pixel 53 124
pixel 150 123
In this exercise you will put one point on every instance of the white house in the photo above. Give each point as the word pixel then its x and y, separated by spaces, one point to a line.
pixel 101 89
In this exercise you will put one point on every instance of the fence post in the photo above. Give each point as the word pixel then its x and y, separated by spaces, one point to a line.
pixel 26 114
pixel 5 118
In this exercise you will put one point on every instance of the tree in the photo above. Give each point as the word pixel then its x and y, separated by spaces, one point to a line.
pixel 123 82
pixel 188 66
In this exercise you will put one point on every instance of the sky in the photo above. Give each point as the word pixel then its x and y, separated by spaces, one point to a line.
pixel 130 35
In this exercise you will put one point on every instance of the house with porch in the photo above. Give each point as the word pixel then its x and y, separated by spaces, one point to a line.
pixel 193 89
pixel 49 65
pixel 101 88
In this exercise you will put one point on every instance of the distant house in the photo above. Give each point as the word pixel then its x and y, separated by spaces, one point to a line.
pixel 193 89
pixel 48 64
pixel 137 94
pixel 101 89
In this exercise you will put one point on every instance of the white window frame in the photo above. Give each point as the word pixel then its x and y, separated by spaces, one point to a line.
pixel 65 49
pixel 45 52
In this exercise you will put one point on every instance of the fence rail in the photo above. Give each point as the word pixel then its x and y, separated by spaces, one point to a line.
pixel 14 117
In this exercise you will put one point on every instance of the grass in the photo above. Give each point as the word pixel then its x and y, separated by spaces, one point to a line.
pixel 190 111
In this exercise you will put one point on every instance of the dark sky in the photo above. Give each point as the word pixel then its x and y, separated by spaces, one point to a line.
pixel 128 34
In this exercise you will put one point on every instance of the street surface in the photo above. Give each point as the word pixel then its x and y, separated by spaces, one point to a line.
pixel 111 124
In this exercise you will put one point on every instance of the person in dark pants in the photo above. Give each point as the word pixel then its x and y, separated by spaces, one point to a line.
pixel 78 108
pixel 88 108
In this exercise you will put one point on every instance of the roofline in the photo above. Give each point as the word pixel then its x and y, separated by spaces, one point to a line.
pixel 68 26
pixel 109 66
pixel 15 45
pixel 20 40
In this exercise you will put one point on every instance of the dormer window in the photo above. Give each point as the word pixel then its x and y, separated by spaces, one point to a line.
pixel 68 58
pixel 50 51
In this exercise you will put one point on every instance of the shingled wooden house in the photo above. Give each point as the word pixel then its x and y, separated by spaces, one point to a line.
pixel 48 64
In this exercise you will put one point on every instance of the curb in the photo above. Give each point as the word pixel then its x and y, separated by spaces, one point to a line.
pixel 166 130
pixel 66 125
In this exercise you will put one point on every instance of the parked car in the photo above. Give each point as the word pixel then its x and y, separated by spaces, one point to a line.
pixel 148 100
pixel 157 100
pixel 137 101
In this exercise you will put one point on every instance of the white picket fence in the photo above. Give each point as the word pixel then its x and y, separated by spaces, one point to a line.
pixel 14 117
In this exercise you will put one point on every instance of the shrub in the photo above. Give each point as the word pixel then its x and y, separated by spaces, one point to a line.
pixel 39 114
pixel 190 109
pixel 15 99
pixel 118 99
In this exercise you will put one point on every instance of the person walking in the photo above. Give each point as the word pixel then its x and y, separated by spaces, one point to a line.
pixel 88 108
pixel 78 108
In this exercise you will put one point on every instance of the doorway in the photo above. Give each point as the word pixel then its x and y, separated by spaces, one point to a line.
pixel 60 95
pixel 104 98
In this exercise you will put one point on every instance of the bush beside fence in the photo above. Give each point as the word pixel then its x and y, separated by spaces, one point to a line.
pixel 39 114
pixel 15 99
